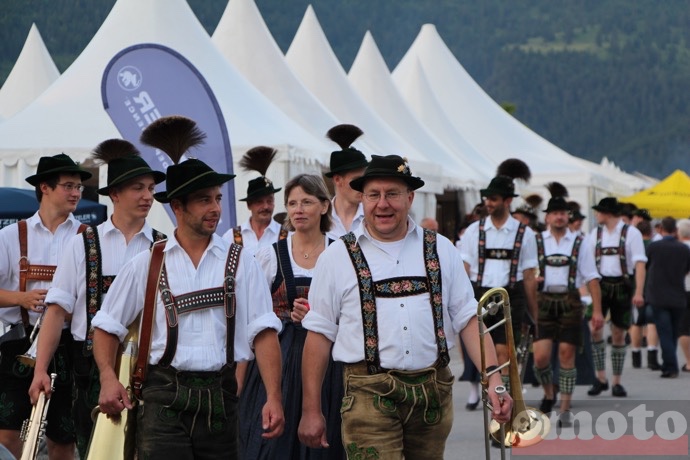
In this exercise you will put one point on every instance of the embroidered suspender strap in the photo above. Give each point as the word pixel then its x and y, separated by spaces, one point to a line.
pixel 433 274
pixel 285 269
pixel 512 277
pixel 621 251
pixel 541 259
pixel 597 249
pixel 282 234
pixel 28 271
pixel 229 286
pixel 481 252
pixel 574 256
pixel 94 283
pixel 155 267
pixel 237 235
pixel 368 301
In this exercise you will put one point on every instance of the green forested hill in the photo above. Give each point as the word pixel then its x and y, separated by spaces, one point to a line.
pixel 596 77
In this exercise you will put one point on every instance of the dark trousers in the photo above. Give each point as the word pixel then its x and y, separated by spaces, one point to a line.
pixel 667 322
pixel 188 415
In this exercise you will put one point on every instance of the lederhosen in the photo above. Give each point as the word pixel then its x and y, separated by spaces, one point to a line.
pixel 616 291
pixel 515 288
pixel 237 235
pixel 86 377
pixel 560 313
pixel 15 406
pixel 196 392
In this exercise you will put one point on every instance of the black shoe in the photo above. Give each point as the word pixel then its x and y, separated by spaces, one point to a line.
pixel 669 375
pixel 652 360
pixel 565 419
pixel 619 391
pixel 637 359
pixel 471 406
pixel 598 387
pixel 685 368
pixel 546 405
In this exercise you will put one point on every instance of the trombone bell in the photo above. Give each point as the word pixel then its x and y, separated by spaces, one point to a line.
pixel 29 358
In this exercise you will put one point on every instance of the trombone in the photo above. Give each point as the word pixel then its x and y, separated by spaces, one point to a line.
pixel 29 357
pixel 34 427
pixel 527 426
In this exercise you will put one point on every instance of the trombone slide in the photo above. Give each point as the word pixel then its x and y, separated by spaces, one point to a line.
pixel 34 427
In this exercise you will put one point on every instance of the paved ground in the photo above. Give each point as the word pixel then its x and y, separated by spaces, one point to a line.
pixel 643 386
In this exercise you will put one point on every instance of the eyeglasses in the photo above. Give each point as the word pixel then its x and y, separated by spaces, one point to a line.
pixel 391 197
pixel 70 187
pixel 306 204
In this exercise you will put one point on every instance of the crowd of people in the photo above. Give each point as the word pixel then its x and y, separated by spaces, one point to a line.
pixel 325 333
pixel 298 339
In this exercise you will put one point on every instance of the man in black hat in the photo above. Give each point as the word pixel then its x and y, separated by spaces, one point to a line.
pixel 208 306
pixel 89 265
pixel 370 301
pixel 260 229
pixel 619 255
pixel 564 268
pixel 499 251
pixel 29 252
pixel 346 165
pixel 576 218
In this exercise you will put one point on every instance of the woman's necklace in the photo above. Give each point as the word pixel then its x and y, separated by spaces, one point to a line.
pixel 307 254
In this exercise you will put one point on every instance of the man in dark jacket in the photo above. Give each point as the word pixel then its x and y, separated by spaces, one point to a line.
pixel 668 263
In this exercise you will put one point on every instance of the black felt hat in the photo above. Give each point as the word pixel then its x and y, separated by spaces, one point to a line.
pixel 58 164
pixel 349 158
pixel 176 135
pixel 501 186
pixel 575 213
pixel 389 166
pixel 608 205
pixel 259 159
pixel 643 213
pixel 558 195
pixel 124 163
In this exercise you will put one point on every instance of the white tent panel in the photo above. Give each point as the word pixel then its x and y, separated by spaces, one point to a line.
pixel 33 72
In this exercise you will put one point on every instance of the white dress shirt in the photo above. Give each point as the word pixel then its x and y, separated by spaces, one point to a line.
pixel 43 248
pixel 69 284
pixel 338 228
pixel 497 271
pixel 202 333
pixel 268 261
pixel 249 240
pixel 634 249
pixel 406 331
pixel 558 276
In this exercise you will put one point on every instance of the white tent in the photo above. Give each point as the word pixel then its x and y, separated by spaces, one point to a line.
pixel 491 130
pixel 371 78
pixel 311 58
pixel 69 116
pixel 33 72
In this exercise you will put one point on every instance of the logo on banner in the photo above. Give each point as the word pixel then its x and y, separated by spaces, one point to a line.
pixel 129 78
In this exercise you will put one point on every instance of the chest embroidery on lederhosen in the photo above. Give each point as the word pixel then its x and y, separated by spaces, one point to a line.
pixel 97 284
pixel 223 296
pixel 612 251
pixel 397 287
pixel 497 253
pixel 237 235
pixel 560 260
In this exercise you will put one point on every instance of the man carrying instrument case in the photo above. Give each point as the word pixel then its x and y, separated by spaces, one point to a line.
pixel 203 305
pixel 89 265
pixel 29 252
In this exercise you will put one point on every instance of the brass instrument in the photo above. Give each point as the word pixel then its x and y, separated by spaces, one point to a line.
pixel 34 427
pixel 527 426
pixel 113 437
pixel 29 357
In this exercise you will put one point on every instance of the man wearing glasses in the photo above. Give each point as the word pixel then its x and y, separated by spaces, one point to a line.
pixel 390 298
pixel 29 253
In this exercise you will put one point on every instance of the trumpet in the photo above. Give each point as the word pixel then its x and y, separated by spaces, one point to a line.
pixel 34 427
pixel 113 437
pixel 527 426
pixel 29 357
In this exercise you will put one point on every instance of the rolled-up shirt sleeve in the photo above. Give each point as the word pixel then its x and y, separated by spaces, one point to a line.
pixel 68 276
pixel 461 303
pixel 324 301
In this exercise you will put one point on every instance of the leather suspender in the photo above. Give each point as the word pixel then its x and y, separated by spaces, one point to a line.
pixel 27 271
pixel 155 267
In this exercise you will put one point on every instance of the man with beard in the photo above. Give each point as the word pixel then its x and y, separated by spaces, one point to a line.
pixel 619 254
pixel 564 269
pixel 346 165
pixel 499 251
pixel 29 252
pixel 260 229
pixel 89 265
pixel 207 305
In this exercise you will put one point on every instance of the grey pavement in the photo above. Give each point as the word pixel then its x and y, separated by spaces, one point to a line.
pixel 644 386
